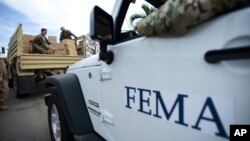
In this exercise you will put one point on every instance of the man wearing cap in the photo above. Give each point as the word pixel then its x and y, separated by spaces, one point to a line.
pixel 41 43
pixel 66 34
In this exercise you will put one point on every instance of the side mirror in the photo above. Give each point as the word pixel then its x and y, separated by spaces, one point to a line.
pixel 101 28
pixel 101 25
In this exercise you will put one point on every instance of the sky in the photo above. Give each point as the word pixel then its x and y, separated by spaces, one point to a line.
pixel 51 14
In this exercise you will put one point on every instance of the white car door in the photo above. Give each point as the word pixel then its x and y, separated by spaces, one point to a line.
pixel 161 88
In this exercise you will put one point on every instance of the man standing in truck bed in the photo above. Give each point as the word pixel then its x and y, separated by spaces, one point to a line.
pixel 66 34
pixel 41 43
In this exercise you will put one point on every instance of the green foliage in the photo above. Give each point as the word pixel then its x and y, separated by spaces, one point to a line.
pixel 148 10
pixel 138 16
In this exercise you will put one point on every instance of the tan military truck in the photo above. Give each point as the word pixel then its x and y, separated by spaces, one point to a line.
pixel 27 70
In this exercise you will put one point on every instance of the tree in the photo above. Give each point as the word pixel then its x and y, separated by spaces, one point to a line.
pixel 92 46
pixel 138 16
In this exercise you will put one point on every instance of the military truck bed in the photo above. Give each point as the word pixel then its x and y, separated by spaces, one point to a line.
pixel 43 61
pixel 27 70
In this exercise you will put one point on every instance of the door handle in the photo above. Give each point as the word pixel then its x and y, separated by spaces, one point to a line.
pixel 106 74
pixel 215 56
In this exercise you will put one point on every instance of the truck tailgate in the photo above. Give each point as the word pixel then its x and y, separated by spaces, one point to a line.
pixel 44 61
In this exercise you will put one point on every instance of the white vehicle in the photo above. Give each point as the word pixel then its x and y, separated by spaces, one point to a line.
pixel 190 87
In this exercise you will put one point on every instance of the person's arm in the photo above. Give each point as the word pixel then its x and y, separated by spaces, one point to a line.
pixel 47 46
pixel 47 41
pixel 73 35
pixel 60 37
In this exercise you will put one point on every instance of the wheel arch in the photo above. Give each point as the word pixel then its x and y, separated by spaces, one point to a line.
pixel 72 102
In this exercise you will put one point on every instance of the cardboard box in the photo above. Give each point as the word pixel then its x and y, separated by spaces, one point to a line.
pixel 52 39
pixel 67 52
pixel 67 43
pixel 60 52
pixel 71 52
pixel 59 46
pixel 27 43
pixel 70 46
pixel 56 46
pixel 27 38
pixel 26 47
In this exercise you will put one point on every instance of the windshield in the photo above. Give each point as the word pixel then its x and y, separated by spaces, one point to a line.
pixel 136 11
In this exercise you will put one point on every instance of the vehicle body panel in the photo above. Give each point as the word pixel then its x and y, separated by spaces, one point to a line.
pixel 144 69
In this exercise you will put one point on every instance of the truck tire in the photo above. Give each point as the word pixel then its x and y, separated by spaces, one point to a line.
pixel 14 81
pixel 15 84
pixel 58 127
pixel 10 83
pixel 16 92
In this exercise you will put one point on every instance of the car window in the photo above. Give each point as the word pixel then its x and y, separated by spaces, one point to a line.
pixel 135 13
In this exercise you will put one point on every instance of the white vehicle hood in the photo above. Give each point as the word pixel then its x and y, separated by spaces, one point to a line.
pixel 88 62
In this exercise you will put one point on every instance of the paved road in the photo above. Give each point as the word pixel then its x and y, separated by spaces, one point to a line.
pixel 26 120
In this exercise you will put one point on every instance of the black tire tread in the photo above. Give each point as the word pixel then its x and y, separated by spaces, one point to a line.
pixel 66 134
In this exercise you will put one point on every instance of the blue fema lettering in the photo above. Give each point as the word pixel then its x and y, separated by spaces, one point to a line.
pixel 144 97
pixel 179 100
pixel 128 96
pixel 142 93
pixel 144 101
pixel 215 118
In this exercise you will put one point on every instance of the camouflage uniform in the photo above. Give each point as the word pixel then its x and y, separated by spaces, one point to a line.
pixel 66 34
pixel 175 17
pixel 4 89
pixel 41 44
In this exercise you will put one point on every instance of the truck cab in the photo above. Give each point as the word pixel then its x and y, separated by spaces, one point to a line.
pixel 178 87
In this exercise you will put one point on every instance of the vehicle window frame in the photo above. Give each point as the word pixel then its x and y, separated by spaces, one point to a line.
pixel 118 22
pixel 120 19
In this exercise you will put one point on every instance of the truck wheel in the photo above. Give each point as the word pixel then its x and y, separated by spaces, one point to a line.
pixel 15 84
pixel 14 80
pixel 16 91
pixel 10 83
pixel 59 130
